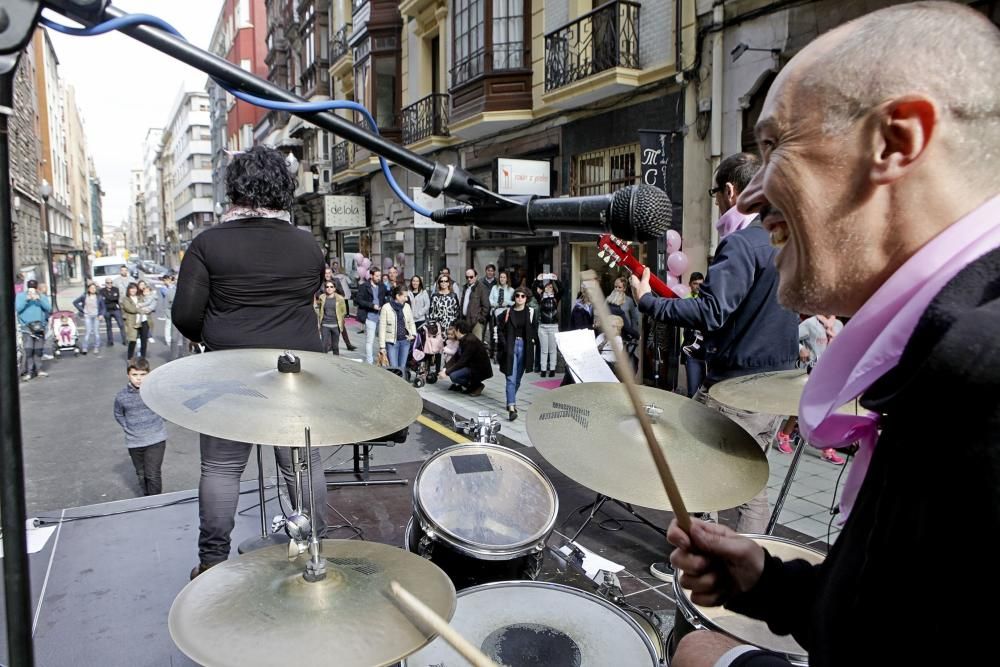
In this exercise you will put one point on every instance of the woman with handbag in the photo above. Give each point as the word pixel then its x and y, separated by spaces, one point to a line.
pixel 33 310
pixel 136 321
pixel 396 329
pixel 517 336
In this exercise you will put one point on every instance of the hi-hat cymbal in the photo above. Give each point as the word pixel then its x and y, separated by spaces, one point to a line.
pixel 590 433
pixel 258 610
pixel 773 393
pixel 241 395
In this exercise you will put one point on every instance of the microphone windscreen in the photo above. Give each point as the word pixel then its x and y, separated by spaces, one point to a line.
pixel 640 213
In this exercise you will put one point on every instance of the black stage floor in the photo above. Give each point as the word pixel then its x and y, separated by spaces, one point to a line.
pixel 103 586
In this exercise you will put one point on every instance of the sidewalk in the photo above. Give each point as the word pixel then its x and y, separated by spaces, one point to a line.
pixel 806 508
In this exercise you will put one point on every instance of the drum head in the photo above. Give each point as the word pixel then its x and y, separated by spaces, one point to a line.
pixel 750 630
pixel 530 623
pixel 486 498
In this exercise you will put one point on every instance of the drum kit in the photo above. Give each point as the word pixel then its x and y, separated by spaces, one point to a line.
pixel 482 514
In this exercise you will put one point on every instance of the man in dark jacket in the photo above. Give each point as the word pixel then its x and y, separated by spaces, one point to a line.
pixel 881 187
pixel 746 330
pixel 112 309
pixel 471 365
pixel 370 297
pixel 474 302
pixel 248 282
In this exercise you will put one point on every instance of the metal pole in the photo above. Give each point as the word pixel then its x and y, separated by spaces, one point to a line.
pixel 48 246
pixel 785 486
pixel 316 568
pixel 17 582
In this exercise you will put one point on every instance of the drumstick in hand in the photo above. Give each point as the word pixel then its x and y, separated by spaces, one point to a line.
pixel 624 370
pixel 423 614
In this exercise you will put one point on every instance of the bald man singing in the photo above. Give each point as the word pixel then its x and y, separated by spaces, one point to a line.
pixel 881 187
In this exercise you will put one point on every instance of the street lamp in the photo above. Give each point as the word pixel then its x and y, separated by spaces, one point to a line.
pixel 190 231
pixel 218 212
pixel 45 190
pixel 16 203
pixel 83 244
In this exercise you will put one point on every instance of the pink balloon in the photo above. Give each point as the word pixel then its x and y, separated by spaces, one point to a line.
pixel 681 290
pixel 673 241
pixel 672 280
pixel 677 263
pixel 358 258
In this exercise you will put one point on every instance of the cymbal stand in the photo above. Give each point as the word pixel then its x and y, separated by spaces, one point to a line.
pixel 316 567
pixel 298 524
pixel 596 506
pixel 266 538
pixel 786 485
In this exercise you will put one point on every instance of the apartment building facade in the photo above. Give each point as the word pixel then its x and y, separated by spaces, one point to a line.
pixel 186 159
pixel 152 229
pixel 25 157
pixel 239 37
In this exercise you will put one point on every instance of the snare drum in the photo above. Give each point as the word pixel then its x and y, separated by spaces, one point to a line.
pixel 482 512
pixel 531 623
pixel 690 617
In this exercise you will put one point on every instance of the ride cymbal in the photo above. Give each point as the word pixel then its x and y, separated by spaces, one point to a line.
pixel 773 393
pixel 590 433
pixel 258 610
pixel 241 395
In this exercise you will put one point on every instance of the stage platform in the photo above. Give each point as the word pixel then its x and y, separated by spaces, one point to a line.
pixel 102 587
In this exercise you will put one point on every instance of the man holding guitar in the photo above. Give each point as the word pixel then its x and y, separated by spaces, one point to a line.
pixel 746 331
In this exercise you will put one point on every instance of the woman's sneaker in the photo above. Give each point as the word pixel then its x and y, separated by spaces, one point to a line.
pixel 663 571
pixel 785 443
pixel 831 456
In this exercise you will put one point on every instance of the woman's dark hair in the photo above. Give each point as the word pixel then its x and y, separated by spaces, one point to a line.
pixel 419 280
pixel 462 326
pixel 259 178
pixel 397 290
pixel 130 286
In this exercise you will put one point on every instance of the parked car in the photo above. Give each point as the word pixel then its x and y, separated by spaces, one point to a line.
pixel 106 267
pixel 152 273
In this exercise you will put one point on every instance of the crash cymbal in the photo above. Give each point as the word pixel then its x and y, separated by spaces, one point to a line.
pixel 590 433
pixel 258 610
pixel 773 393
pixel 241 395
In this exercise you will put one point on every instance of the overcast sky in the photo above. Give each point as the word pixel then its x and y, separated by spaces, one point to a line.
pixel 124 87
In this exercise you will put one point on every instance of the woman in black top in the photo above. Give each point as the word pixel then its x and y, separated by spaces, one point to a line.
pixel 517 334
pixel 548 325
pixel 248 282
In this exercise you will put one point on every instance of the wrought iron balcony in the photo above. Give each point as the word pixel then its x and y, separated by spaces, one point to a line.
pixel 426 118
pixel 342 156
pixel 338 43
pixel 600 40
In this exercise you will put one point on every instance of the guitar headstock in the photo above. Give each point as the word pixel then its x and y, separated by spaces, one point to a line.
pixel 613 250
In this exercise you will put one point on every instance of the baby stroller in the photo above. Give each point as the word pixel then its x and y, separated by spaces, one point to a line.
pixel 62 329
pixel 425 354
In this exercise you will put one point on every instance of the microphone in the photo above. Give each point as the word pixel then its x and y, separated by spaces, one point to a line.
pixel 634 213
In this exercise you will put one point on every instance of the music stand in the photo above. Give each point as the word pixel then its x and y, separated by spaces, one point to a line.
pixel 363 470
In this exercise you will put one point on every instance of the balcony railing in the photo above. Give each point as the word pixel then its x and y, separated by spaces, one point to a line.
pixel 338 43
pixel 501 57
pixel 426 118
pixel 604 38
pixel 342 157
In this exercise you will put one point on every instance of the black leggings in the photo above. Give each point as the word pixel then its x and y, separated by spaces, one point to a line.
pixel 143 338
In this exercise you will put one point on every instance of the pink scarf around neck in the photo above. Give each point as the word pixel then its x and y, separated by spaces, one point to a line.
pixel 872 343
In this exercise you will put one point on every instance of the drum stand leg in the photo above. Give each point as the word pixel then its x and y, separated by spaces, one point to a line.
pixel 363 470
pixel 596 506
pixel 786 486
pixel 265 539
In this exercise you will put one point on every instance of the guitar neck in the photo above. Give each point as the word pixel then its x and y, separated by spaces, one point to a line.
pixel 633 266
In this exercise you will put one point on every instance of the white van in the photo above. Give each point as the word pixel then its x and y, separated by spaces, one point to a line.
pixel 106 267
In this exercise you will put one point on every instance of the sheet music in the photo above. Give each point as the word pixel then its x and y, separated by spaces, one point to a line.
pixel 579 350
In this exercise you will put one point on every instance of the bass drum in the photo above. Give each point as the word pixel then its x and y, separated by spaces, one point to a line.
pixel 690 617
pixel 536 624
pixel 482 513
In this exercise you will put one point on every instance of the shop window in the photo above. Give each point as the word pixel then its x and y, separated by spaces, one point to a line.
pixel 606 170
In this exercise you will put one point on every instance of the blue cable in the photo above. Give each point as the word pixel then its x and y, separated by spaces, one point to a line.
pixel 302 107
